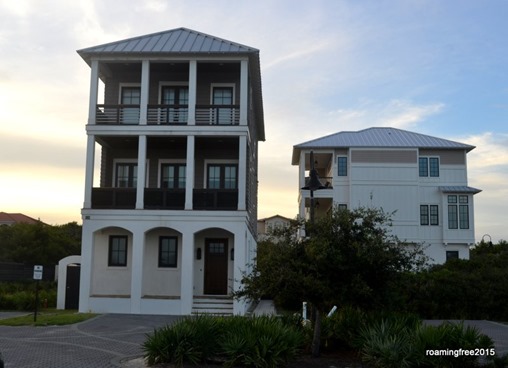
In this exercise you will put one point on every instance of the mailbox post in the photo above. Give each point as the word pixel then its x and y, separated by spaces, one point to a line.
pixel 37 276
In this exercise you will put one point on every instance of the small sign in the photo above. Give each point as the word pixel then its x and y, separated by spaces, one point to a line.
pixel 37 272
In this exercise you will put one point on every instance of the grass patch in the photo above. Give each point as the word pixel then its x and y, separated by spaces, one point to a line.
pixel 48 317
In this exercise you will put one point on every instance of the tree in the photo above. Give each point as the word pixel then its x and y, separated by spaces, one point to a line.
pixel 39 243
pixel 350 258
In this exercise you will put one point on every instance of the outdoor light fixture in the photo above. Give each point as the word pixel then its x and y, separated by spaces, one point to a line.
pixel 313 184
pixel 232 254
pixel 198 253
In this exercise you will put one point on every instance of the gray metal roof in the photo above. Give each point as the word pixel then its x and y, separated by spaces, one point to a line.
pixel 179 40
pixel 459 189
pixel 378 137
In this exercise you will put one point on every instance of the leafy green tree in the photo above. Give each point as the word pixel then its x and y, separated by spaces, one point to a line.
pixel 349 258
pixel 39 243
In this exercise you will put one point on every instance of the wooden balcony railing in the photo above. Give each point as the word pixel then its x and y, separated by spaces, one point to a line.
pixel 167 199
pixel 217 114
pixel 117 114
pixel 167 114
pixel 215 199
pixel 109 198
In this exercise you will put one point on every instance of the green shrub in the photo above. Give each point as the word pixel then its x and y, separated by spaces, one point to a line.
pixel 400 342
pixel 251 342
pixel 21 295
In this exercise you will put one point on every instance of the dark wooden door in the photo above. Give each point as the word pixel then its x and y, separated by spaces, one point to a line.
pixel 72 286
pixel 216 267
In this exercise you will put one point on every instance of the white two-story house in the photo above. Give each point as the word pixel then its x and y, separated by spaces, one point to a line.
pixel 421 179
pixel 170 207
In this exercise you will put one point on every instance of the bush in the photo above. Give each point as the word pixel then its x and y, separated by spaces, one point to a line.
pixel 21 295
pixel 400 342
pixel 251 342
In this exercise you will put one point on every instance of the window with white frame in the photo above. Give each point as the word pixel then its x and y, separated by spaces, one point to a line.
pixel 342 165
pixel 458 211
pixel 168 251
pixel 173 175
pixel 117 254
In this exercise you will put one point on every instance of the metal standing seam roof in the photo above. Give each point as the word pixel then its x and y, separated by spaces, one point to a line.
pixel 378 137
pixel 459 189
pixel 179 40
pixel 184 41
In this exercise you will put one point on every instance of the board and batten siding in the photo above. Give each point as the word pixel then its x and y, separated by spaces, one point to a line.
pixel 384 156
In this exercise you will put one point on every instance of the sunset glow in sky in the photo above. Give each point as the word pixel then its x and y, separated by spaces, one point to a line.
pixel 429 66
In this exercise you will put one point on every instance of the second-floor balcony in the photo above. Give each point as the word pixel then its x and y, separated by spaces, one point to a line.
pixel 167 114
pixel 165 199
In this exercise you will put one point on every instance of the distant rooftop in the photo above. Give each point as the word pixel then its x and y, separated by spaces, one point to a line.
pixel 16 218
pixel 378 137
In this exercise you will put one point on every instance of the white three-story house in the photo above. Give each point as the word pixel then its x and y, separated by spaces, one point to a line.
pixel 170 207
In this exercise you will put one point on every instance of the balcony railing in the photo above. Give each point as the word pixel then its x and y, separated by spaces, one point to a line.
pixel 217 114
pixel 109 198
pixel 167 114
pixel 167 199
pixel 215 199
pixel 117 114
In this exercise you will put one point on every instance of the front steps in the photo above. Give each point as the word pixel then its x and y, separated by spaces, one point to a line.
pixel 216 305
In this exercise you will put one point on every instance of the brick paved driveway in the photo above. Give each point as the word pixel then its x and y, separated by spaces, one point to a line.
pixel 100 342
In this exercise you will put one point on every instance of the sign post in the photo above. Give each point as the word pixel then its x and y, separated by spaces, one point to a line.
pixel 37 277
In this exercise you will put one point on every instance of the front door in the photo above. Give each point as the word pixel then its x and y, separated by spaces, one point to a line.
pixel 72 286
pixel 216 267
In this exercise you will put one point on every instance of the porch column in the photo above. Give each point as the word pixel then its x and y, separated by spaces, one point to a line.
pixel 244 91
pixel 301 180
pixel 242 172
pixel 192 92
pixel 145 81
pixel 94 90
pixel 189 176
pixel 187 276
pixel 140 188
pixel 138 240
pixel 239 266
pixel 90 160
pixel 85 277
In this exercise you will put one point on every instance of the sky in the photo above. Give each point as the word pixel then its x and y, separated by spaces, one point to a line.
pixel 433 67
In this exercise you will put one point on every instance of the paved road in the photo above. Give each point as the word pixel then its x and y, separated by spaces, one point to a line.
pixel 105 341
pixel 113 340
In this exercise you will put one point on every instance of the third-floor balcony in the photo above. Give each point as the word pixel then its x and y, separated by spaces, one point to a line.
pixel 167 114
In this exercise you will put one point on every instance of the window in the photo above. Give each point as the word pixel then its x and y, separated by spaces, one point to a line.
pixel 126 175
pixel 173 176
pixel 177 99
pixel 168 251
pixel 342 166
pixel 222 176
pixel 130 99
pixel 428 166
pixel 458 215
pixel 452 254
pixel 342 206
pixel 117 251
pixel 223 113
pixel 429 215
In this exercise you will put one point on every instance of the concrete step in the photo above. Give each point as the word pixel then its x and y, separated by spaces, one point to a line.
pixel 213 305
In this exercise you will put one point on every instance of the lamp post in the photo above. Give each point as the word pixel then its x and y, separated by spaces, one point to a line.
pixel 313 184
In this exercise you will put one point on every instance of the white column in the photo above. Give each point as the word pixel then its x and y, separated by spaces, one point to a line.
pixel 86 267
pixel 89 170
pixel 189 179
pixel 301 183
pixel 244 91
pixel 138 240
pixel 192 91
pixel 94 90
pixel 187 276
pixel 242 172
pixel 145 83
pixel 239 266
pixel 140 189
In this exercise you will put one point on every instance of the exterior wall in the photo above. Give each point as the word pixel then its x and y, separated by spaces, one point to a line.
pixel 389 179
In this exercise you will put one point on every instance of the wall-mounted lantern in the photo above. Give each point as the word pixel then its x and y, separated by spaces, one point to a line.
pixel 232 254
pixel 198 253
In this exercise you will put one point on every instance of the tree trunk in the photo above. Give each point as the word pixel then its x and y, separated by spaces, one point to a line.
pixel 316 341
